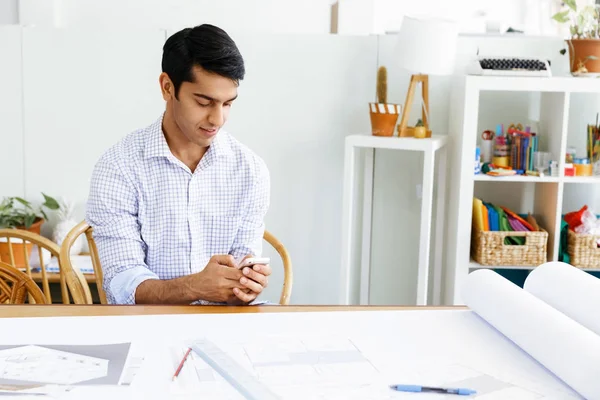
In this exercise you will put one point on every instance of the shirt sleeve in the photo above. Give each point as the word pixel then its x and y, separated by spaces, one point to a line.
pixel 112 211
pixel 249 237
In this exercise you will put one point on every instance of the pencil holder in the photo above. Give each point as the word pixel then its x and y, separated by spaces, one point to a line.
pixel 487 149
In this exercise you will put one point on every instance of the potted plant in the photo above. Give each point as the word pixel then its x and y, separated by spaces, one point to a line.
pixel 383 115
pixel 420 130
pixel 584 41
pixel 18 213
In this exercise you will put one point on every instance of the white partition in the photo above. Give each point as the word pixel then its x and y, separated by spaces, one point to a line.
pixel 301 96
pixel 86 89
pixel 83 91
pixel 11 113
pixel 273 16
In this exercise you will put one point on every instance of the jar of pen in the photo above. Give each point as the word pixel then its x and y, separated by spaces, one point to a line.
pixel 501 148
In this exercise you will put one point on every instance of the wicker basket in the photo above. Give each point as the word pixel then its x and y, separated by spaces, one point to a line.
pixel 583 250
pixel 488 248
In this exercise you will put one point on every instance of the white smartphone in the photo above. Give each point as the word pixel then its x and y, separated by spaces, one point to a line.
pixel 248 262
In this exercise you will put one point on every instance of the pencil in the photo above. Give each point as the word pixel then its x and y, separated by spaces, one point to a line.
pixel 187 353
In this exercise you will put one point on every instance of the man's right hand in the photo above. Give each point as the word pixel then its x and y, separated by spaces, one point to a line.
pixel 214 283
pixel 217 280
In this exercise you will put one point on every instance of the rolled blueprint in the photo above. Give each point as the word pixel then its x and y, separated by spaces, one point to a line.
pixel 563 346
pixel 569 290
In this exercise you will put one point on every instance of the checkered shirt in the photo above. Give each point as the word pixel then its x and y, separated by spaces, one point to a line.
pixel 155 219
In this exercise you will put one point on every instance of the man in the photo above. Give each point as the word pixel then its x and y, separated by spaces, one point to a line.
pixel 175 206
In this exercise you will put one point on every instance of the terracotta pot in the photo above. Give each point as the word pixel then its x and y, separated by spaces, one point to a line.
pixel 579 50
pixel 383 118
pixel 17 246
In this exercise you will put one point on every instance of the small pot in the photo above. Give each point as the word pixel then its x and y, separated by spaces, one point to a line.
pixel 579 50
pixel 411 131
pixel 420 132
pixel 17 246
pixel 383 118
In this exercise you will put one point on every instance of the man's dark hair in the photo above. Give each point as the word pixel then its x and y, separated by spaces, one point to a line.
pixel 206 46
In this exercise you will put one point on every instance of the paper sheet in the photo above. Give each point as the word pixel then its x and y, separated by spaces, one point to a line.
pixel 359 353
pixel 569 290
pixel 562 345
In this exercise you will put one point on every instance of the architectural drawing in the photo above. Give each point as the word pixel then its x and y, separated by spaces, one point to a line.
pixel 44 365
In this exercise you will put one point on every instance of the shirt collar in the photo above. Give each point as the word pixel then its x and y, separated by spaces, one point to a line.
pixel 157 146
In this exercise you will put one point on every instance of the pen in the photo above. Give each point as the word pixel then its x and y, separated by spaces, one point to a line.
pixel 418 388
pixel 187 353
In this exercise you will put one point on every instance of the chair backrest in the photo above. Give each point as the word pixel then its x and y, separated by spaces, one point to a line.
pixel 80 289
pixel 16 248
pixel 77 283
pixel 288 276
pixel 16 286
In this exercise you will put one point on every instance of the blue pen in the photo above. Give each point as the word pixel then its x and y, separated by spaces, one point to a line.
pixel 418 388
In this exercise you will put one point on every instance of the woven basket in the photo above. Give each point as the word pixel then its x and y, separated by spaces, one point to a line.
pixel 488 248
pixel 583 250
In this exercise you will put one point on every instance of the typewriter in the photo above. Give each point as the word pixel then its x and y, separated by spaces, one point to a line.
pixel 509 66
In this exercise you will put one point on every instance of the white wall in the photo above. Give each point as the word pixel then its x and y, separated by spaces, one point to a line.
pixel 295 108
pixel 275 16
pixel 360 17
pixel 9 12
pixel 11 116
pixel 396 207
pixel 86 89
pixel 82 90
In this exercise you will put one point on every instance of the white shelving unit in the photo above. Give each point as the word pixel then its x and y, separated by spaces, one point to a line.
pixel 541 196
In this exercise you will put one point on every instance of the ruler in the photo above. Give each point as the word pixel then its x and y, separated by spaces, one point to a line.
pixel 232 372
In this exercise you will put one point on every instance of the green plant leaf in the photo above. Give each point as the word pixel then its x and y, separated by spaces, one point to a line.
pixel 561 17
pixel 23 201
pixel 571 4
pixel 591 58
pixel 50 202
pixel 29 220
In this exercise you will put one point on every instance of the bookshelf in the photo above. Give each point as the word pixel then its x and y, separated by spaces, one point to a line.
pixel 473 106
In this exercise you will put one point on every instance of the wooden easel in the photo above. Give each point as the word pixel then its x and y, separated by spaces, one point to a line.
pixel 403 129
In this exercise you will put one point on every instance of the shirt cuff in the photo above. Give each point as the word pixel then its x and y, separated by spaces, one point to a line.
pixel 124 284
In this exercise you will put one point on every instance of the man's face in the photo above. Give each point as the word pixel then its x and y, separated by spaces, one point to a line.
pixel 202 106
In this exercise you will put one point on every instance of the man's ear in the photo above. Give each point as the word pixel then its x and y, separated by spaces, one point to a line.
pixel 166 87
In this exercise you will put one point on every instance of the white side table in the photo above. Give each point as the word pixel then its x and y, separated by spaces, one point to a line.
pixel 368 144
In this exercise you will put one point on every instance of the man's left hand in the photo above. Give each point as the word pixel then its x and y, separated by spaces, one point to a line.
pixel 255 280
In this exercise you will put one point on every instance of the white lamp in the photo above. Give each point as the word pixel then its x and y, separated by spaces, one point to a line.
pixel 425 47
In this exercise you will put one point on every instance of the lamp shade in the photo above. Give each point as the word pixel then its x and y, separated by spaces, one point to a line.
pixel 427 46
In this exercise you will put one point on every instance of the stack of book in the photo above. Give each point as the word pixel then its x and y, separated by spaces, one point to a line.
pixel 523 145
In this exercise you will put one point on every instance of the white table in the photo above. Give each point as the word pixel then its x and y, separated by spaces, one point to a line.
pixel 397 345
pixel 368 144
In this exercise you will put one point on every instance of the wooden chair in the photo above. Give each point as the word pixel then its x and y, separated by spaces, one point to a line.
pixel 81 291
pixel 22 255
pixel 77 283
pixel 288 276
pixel 16 286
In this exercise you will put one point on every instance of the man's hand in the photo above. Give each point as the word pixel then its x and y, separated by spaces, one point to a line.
pixel 254 281
pixel 218 280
